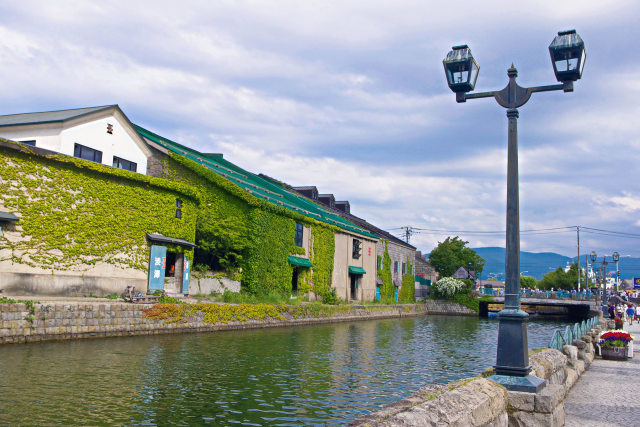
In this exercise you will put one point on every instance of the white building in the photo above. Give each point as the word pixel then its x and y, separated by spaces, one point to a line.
pixel 100 134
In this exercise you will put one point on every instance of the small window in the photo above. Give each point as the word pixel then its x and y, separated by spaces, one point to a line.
pixel 404 268
pixel 31 142
pixel 379 262
pixel 314 194
pixel 299 232
pixel 109 128
pixel 124 164
pixel 356 249
pixel 86 153
pixel 395 266
pixel 178 208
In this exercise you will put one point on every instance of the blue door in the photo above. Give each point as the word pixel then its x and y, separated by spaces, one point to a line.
pixel 157 266
pixel 185 275
pixel 378 293
pixel 395 294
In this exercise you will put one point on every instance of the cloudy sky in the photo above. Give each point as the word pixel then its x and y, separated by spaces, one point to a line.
pixel 350 96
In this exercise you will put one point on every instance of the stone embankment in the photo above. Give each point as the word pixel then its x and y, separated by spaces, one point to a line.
pixel 32 322
pixel 482 402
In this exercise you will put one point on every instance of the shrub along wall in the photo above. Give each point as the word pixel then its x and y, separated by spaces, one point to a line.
pixel 75 213
pixel 249 237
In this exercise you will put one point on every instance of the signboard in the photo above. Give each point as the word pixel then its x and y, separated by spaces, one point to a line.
pixel 157 266
pixel 636 283
pixel 185 275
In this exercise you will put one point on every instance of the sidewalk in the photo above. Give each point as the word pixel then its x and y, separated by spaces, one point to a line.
pixel 607 393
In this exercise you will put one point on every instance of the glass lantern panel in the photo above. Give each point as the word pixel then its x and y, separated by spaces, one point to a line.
pixel 582 59
pixel 474 73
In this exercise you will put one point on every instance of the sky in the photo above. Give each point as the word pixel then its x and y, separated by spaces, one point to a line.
pixel 350 96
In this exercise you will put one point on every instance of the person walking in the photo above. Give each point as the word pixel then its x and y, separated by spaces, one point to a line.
pixel 631 312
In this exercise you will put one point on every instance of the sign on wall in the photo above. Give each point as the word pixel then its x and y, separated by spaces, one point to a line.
pixel 636 283
pixel 157 266
pixel 185 275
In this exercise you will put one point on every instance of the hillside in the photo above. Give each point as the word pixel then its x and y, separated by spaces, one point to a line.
pixel 536 264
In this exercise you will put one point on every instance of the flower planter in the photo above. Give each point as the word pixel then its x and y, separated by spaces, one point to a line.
pixel 614 353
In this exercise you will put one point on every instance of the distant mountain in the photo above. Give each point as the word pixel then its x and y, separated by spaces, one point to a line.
pixel 537 264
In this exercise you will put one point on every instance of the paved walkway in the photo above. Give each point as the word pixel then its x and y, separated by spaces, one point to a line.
pixel 608 393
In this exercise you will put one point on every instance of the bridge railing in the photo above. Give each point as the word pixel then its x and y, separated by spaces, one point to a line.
pixel 582 295
pixel 566 337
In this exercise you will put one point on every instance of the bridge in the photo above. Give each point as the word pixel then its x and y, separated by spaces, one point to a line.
pixel 573 309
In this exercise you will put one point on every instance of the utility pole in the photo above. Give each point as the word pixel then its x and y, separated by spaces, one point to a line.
pixel 408 231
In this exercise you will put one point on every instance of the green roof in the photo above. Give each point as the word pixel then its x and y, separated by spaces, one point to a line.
pixel 301 262
pixel 356 270
pixel 256 185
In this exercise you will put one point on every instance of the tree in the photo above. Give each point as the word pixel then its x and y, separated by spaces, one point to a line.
pixel 559 279
pixel 528 282
pixel 452 254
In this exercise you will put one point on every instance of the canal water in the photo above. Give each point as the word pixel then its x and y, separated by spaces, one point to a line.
pixel 323 374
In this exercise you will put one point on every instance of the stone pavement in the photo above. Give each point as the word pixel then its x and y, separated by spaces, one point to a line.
pixel 608 393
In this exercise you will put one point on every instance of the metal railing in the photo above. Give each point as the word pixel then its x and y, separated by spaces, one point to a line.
pixel 560 339
pixel 580 296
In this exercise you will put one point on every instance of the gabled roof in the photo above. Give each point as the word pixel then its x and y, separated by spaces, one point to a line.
pixel 256 185
pixel 49 116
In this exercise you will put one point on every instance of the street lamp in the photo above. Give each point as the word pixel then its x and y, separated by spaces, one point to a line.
pixel 461 70
pixel 616 258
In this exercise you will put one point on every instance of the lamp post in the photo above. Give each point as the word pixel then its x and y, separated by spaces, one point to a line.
pixel 616 258
pixel 461 69
pixel 593 256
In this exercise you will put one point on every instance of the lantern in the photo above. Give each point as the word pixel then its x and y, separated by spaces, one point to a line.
pixel 461 69
pixel 567 56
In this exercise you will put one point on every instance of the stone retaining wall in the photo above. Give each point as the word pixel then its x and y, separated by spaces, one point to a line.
pixel 482 402
pixel 44 322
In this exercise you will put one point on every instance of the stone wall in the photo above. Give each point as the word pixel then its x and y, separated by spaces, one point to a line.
pixel 45 322
pixel 482 402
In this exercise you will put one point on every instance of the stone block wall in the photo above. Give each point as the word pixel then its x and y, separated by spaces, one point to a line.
pixel 21 323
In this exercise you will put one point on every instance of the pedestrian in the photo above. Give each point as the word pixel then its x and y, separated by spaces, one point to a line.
pixel 612 311
pixel 631 312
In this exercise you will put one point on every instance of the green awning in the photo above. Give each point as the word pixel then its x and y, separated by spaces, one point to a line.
pixel 356 270
pixel 300 262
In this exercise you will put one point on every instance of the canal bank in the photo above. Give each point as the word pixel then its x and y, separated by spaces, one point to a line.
pixel 63 320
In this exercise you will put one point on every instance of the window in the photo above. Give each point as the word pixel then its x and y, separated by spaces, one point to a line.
pixel 404 268
pixel 356 249
pixel 87 153
pixel 379 262
pixel 395 266
pixel 31 142
pixel 178 208
pixel 109 128
pixel 299 232
pixel 124 164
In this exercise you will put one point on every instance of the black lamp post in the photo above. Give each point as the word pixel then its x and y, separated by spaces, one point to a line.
pixel 616 258
pixel 461 69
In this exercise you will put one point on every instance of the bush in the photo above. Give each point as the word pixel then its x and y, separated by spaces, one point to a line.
pixel 447 287
pixel 330 297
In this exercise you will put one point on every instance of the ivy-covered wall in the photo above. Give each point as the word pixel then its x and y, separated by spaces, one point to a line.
pixel 249 237
pixel 75 213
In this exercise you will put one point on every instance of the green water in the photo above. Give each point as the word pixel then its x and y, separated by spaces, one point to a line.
pixel 324 374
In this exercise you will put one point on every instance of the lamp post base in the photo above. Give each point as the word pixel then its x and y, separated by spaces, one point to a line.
pixel 529 384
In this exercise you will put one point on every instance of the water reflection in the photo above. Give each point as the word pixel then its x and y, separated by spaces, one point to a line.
pixel 326 374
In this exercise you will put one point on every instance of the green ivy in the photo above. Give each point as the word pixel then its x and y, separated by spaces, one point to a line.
pixel 237 231
pixel 407 292
pixel 387 290
pixel 73 211
pixel 324 245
